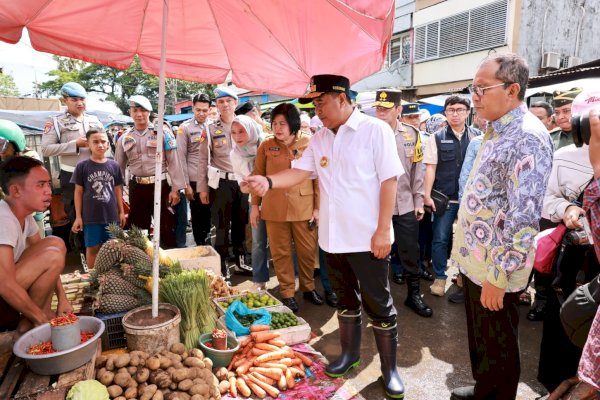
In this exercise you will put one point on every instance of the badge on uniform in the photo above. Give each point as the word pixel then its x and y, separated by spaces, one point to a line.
pixel 128 142
pixel 324 161
pixel 203 136
pixel 152 141
pixel 218 132
pixel 47 126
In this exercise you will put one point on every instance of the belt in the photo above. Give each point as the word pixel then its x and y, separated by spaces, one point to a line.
pixel 227 175
pixel 146 180
pixel 67 168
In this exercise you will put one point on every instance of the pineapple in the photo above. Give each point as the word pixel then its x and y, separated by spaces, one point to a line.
pixel 130 275
pixel 163 258
pixel 108 255
pixel 114 303
pixel 136 238
pixel 115 284
pixel 133 255
pixel 116 231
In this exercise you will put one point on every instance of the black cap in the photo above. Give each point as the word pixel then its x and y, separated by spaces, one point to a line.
pixel 387 98
pixel 320 84
pixel 410 108
pixel 564 97
pixel 245 108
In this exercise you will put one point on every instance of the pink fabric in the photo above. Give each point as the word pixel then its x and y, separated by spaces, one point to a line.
pixel 269 45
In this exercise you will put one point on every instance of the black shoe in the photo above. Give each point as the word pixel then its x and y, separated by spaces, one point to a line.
pixel 290 303
pixel 463 393
pixel 331 299
pixel 313 297
pixel 427 276
pixel 537 311
pixel 241 267
pixel 457 297
pixel 398 279
pixel 414 299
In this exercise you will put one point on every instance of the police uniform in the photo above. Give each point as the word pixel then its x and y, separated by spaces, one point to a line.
pixel 137 149
pixel 60 135
pixel 191 138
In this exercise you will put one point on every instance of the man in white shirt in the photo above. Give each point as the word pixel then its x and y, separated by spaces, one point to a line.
pixel 29 265
pixel 355 158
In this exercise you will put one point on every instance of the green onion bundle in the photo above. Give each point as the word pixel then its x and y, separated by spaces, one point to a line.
pixel 190 292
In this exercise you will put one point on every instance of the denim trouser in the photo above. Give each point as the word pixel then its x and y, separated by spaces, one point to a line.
pixel 181 219
pixel 323 272
pixel 442 231
pixel 260 266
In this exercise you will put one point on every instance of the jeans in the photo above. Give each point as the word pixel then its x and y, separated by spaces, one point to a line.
pixel 181 219
pixel 442 232
pixel 323 272
pixel 260 265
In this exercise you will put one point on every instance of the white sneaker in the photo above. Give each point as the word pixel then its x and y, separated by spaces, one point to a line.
pixel 438 288
pixel 258 286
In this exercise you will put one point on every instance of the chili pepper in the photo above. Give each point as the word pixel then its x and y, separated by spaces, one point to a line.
pixel 46 347
pixel 64 320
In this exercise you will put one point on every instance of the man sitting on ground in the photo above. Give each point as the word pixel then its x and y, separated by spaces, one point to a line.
pixel 29 265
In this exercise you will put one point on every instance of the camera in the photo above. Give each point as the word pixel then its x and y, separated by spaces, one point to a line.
pixel 579 237
pixel 580 124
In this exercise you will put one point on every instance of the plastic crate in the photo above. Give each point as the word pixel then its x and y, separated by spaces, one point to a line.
pixel 292 335
pixel 114 333
pixel 221 310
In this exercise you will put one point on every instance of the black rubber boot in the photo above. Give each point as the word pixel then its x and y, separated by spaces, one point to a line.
pixel 387 343
pixel 414 301
pixel 350 334
pixel 225 270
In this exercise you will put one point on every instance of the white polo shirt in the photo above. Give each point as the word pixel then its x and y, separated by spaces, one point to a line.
pixel 350 166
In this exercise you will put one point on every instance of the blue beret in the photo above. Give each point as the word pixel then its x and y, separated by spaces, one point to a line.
pixel 225 92
pixel 140 101
pixel 73 89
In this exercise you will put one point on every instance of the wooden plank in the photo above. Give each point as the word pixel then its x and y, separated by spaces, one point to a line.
pixel 56 394
pixel 82 373
pixel 6 345
pixel 12 378
pixel 32 383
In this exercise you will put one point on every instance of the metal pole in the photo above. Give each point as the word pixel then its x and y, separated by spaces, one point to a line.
pixel 159 158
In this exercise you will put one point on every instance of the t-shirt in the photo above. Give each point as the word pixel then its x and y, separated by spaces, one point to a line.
pixel 98 181
pixel 11 233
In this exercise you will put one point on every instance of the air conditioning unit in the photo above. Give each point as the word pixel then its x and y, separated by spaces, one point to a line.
pixel 551 60
pixel 571 61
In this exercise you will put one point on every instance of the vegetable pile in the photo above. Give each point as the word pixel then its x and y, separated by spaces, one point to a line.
pixel 281 320
pixel 251 300
pixel 64 320
pixel 46 347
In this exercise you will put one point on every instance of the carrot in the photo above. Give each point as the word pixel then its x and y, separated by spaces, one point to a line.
pixel 245 342
pixel 266 346
pixel 285 361
pixel 233 361
pixel 246 349
pixel 273 373
pixel 264 336
pixel 273 392
pixel 296 361
pixel 240 361
pixel 243 387
pixel 274 355
pixel 277 342
pixel 263 378
pixel 259 328
pixel 280 366
pixel 258 391
pixel 232 386
pixel 289 379
pixel 305 359
pixel 297 371
pixel 282 383
pixel 258 352
pixel 242 369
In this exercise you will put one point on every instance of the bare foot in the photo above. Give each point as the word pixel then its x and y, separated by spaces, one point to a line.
pixel 24 326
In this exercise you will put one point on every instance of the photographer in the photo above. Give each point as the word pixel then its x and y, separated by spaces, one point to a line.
pixel 587 382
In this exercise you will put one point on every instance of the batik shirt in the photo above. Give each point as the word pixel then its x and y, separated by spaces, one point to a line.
pixel 502 202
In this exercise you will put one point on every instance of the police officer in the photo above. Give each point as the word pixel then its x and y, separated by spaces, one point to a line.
pixel 192 136
pixel 408 207
pixel 137 149
pixel 229 204
pixel 64 136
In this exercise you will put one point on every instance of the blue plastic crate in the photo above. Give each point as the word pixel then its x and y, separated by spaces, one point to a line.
pixel 114 333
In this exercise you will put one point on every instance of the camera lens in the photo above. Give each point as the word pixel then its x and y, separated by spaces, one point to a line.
pixel 580 124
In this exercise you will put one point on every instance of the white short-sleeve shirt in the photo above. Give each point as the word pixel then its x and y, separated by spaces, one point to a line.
pixel 351 165
pixel 11 233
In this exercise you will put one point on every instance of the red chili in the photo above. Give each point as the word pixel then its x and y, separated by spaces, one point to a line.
pixel 64 320
pixel 46 347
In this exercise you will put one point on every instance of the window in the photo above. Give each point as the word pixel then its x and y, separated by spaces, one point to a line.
pixel 477 29
pixel 400 49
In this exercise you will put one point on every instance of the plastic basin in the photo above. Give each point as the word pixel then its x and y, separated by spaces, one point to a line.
pixel 61 361
pixel 220 358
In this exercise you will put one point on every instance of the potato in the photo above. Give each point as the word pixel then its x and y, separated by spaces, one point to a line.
pixel 173 386
pixel 165 362
pixel 207 362
pixel 110 362
pixel 100 372
pixel 184 355
pixel 230 374
pixel 197 397
pixel 142 375
pixel 179 375
pixel 122 370
pixel 185 385
pixel 131 393
pixel 193 362
pixel 120 398
pixel 122 379
pixel 178 348
pixel 201 389
pixel 148 392
pixel 224 387
pixel 107 378
pixel 132 370
pixel 101 361
pixel 196 353
pixel 160 378
pixel 158 395
pixel 153 363
pixel 221 373
pixel 122 360
pixel 177 365
pixel 175 357
pixel 114 391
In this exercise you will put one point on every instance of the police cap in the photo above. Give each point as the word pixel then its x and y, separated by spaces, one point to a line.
pixel 320 84
pixel 387 98
pixel 73 89
pixel 224 92
pixel 140 101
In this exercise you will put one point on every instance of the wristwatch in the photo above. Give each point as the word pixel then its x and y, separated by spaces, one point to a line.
pixel 270 182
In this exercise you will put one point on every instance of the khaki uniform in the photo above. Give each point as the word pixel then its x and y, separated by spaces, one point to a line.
pixel 561 138
pixel 191 138
pixel 287 212
pixel 137 149
pixel 60 135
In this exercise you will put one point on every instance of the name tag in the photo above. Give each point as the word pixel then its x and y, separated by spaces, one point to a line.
pixel 151 141
pixel 447 141
pixel 218 137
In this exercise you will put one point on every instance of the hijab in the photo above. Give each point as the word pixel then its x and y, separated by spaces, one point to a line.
pixel 242 157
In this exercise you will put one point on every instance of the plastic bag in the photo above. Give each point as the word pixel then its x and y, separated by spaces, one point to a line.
pixel 239 307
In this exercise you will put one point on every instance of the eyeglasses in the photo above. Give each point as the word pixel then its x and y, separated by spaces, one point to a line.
pixel 480 91
pixel 457 111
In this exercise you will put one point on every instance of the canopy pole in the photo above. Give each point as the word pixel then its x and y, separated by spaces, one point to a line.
pixel 159 158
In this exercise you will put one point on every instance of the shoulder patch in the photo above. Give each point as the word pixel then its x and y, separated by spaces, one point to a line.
pixel 47 126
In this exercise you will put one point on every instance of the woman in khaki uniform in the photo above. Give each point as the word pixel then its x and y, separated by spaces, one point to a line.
pixel 290 214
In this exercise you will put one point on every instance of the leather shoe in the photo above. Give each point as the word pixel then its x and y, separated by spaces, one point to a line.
pixel 313 297
pixel 537 311
pixel 398 279
pixel 463 393
pixel 458 297
pixel 290 303
pixel 426 275
pixel 331 299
